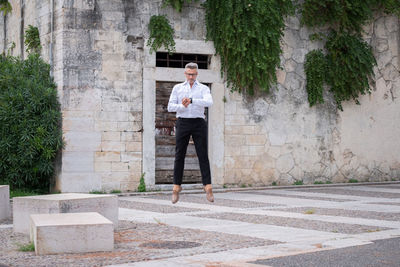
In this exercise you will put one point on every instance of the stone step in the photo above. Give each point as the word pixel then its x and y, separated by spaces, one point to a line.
pixel 4 202
pixel 23 207
pixel 71 233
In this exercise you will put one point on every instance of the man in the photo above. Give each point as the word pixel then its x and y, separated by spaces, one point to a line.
pixel 188 100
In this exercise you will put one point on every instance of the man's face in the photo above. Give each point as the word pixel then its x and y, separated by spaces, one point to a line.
pixel 191 75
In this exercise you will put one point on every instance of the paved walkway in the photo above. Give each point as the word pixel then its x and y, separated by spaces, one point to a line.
pixel 250 228
pixel 294 226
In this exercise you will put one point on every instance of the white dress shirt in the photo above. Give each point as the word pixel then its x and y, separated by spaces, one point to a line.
pixel 201 98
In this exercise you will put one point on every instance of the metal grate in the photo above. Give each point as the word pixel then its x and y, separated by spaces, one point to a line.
pixel 180 60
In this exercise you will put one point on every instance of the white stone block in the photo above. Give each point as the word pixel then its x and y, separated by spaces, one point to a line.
pixel 71 233
pixel 4 202
pixel 23 207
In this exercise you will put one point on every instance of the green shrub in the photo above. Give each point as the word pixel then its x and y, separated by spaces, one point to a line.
pixel 318 182
pixel 353 181
pixel 30 123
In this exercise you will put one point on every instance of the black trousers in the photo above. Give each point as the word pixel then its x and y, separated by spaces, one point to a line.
pixel 197 128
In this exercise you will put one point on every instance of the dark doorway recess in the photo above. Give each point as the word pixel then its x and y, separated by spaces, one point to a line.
pixel 165 141
pixel 180 60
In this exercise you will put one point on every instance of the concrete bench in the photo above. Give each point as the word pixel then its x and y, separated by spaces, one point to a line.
pixel 23 207
pixel 4 202
pixel 71 233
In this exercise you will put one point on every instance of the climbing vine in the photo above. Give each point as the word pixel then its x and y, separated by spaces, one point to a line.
pixel 161 34
pixel 315 69
pixel 247 36
pixel 5 6
pixel 349 59
pixel 32 40
pixel 350 64
pixel 176 4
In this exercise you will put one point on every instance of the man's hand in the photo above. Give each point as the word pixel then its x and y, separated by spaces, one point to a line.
pixel 186 102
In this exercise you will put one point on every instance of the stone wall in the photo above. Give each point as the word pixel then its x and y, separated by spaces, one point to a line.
pixel 279 138
pixel 103 44
pixel 99 53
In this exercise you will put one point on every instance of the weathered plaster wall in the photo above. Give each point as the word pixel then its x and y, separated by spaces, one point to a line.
pixel 279 138
pixel 103 92
pixel 99 53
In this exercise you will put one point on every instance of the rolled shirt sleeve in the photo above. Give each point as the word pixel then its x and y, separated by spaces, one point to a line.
pixel 206 101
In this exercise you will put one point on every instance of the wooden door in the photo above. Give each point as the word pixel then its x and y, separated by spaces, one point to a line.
pixel 165 142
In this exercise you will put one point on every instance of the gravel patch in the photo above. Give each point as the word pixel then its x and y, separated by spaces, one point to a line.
pixel 303 197
pixel 341 191
pixel 131 245
pixel 153 207
pixel 295 223
pixel 201 199
pixel 346 213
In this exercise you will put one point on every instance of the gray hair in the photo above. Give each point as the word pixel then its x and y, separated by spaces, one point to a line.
pixel 192 66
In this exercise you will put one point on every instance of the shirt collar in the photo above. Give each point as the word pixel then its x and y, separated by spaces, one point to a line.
pixel 187 83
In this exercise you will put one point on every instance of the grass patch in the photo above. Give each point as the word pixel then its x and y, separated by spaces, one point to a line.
pixel 97 192
pixel 142 184
pixel 328 182
pixel 299 182
pixel 353 181
pixel 274 183
pixel 115 191
pixel 243 185
pixel 318 182
pixel 27 247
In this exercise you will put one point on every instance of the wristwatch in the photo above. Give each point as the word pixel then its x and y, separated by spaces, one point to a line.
pixel 191 100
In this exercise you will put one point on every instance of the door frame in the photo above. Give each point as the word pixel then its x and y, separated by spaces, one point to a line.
pixel 212 76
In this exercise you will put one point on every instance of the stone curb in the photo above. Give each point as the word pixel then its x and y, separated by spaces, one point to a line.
pixel 195 189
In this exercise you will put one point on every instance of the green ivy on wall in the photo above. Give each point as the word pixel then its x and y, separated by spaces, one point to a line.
pixel 247 34
pixel 315 69
pixel 32 40
pixel 349 59
pixel 350 64
pixel 5 6
pixel 161 34
pixel 176 4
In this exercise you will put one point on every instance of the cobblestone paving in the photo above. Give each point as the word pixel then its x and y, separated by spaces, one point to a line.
pixel 240 227
pixel 346 213
pixel 200 198
pixel 265 193
pixel 151 207
pixel 294 222
pixel 349 192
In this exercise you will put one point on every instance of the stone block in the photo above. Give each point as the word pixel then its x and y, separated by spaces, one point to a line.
pixel 4 202
pixel 71 233
pixel 23 207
